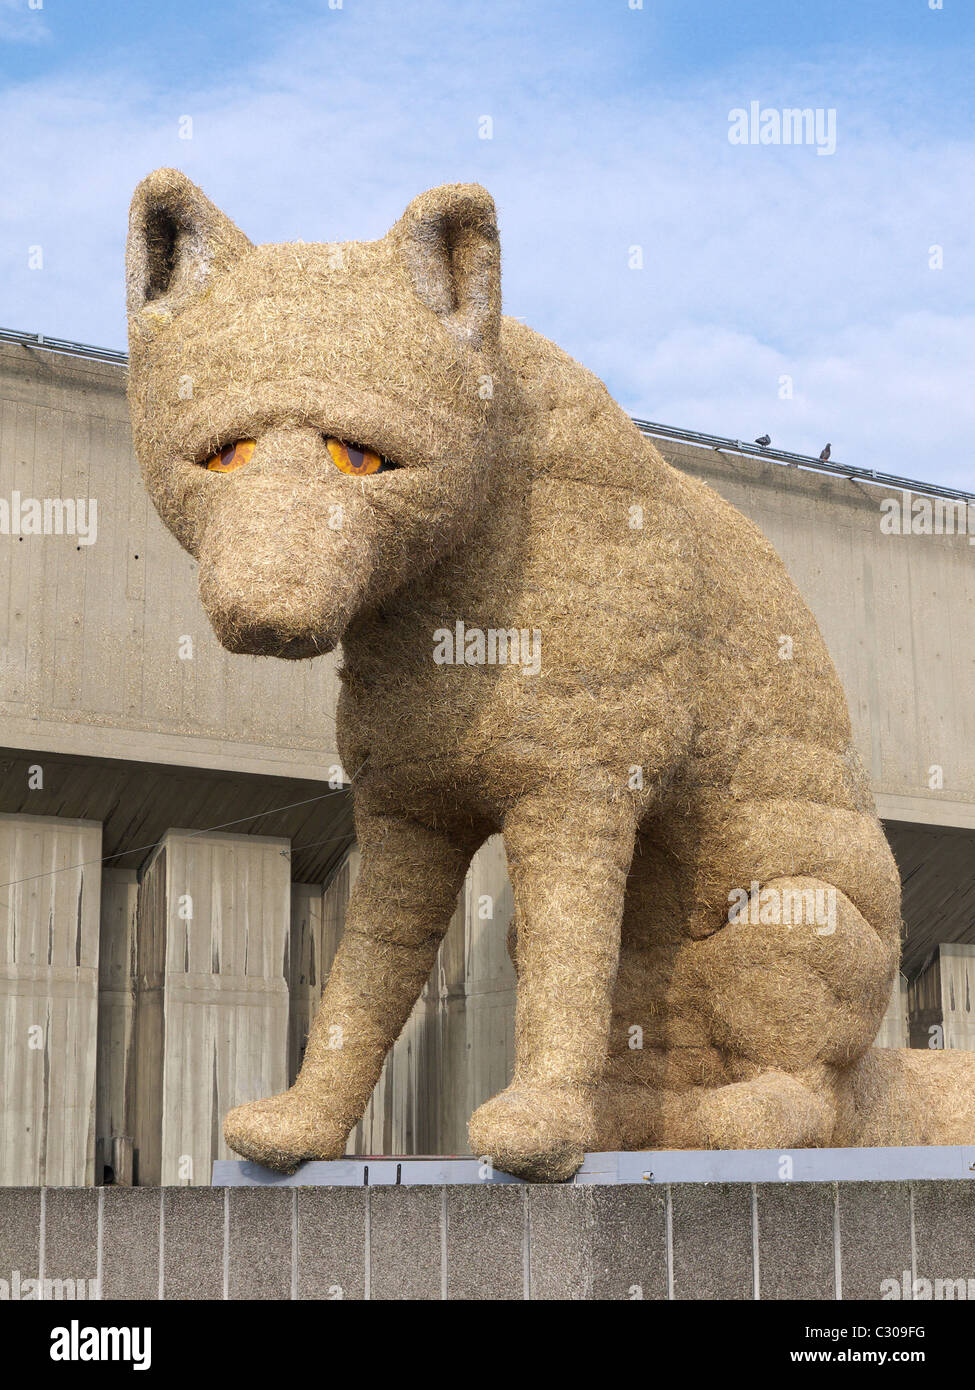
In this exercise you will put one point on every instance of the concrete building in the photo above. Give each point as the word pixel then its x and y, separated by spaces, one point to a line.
pixel 176 842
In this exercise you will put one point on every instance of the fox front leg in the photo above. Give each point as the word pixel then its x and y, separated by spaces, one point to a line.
pixel 399 910
pixel 568 862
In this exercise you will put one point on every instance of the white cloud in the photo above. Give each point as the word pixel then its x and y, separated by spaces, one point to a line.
pixel 896 398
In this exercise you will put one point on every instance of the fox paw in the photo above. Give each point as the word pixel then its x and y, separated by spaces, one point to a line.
pixel 533 1132
pixel 283 1131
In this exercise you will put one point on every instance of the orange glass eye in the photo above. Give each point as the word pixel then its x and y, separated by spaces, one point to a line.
pixel 358 462
pixel 234 456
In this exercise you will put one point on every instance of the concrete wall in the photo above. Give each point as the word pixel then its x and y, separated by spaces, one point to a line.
pixel 117 994
pixel 91 634
pixel 739 1241
pixel 894 1028
pixel 101 674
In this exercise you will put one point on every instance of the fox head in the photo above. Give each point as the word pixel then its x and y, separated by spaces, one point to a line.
pixel 315 423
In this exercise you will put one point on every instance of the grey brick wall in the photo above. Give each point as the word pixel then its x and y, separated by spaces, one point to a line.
pixel 680 1241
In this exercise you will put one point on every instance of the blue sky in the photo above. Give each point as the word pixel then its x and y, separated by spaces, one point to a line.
pixel 610 131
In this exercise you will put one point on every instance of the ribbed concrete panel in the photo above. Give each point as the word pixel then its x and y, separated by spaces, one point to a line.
pixel 894 1030
pixel 490 978
pixel 214 920
pixel 49 930
pixel 942 1000
pixel 115 1106
pixel 305 968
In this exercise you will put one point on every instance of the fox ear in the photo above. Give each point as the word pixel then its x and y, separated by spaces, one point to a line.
pixel 177 238
pixel 448 239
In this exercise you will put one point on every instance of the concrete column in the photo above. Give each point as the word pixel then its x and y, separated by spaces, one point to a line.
pixel 212 1009
pixel 490 976
pixel 115 1104
pixel 49 921
pixel 306 969
pixel 942 999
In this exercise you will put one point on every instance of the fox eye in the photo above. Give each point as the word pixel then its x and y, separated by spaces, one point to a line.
pixel 233 456
pixel 351 459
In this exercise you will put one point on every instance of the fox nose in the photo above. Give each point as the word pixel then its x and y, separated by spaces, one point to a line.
pixel 265 634
pixel 254 614
pixel 263 554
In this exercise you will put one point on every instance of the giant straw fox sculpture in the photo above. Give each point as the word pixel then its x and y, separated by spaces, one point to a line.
pixel 707 913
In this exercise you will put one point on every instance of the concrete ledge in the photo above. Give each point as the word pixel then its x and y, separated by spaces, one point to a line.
pixel 626 1242
pixel 664 1166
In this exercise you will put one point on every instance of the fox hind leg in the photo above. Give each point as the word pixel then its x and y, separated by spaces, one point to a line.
pixel 751 1027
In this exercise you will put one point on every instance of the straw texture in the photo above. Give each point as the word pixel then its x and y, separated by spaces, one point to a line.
pixel 707 912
